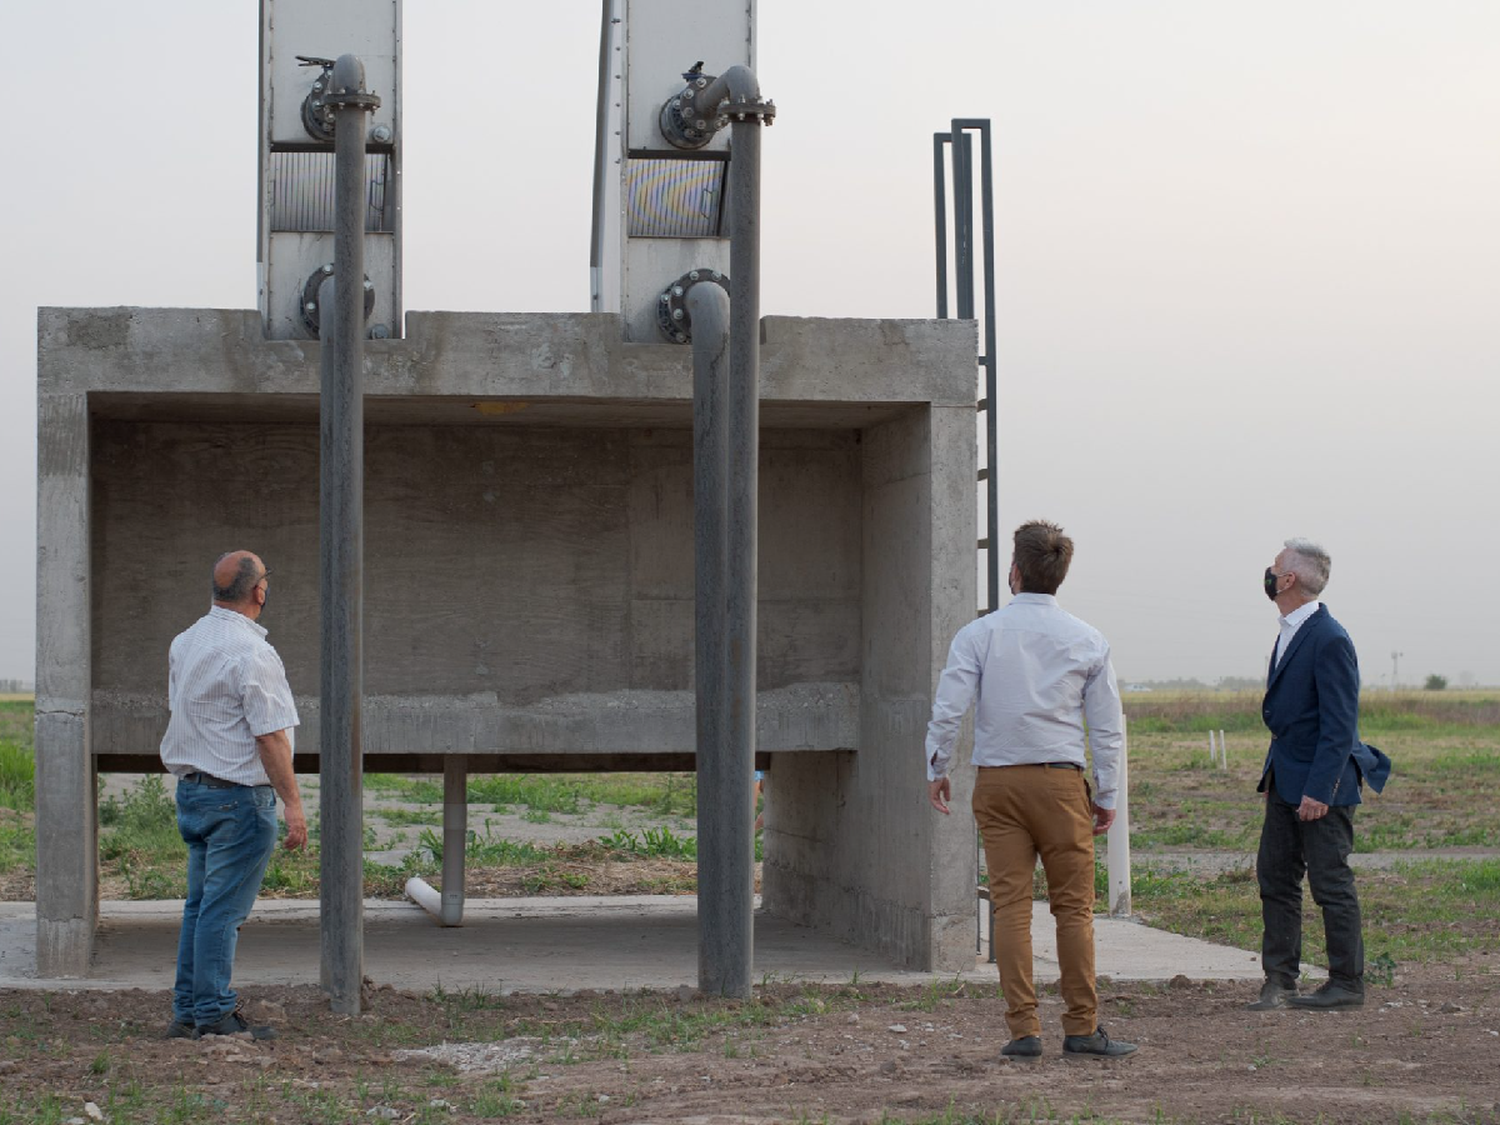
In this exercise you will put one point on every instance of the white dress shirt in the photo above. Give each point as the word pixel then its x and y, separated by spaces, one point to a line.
pixel 226 686
pixel 1040 674
pixel 1290 624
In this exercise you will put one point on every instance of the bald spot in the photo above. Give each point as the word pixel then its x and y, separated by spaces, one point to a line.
pixel 229 568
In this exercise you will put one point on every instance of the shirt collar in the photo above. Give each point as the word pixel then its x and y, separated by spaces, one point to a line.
pixel 1035 599
pixel 1301 613
pixel 237 617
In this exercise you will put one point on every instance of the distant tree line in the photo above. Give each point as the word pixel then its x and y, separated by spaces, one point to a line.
pixel 14 686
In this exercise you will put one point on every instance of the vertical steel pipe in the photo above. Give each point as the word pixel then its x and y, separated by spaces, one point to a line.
pixel 708 308
pixel 726 845
pixel 455 837
pixel 940 217
pixel 341 527
pixel 991 381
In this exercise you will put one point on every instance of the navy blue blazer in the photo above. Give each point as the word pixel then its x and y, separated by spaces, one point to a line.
pixel 1312 710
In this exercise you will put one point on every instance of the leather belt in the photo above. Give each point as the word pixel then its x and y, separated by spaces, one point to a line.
pixel 1063 766
pixel 210 780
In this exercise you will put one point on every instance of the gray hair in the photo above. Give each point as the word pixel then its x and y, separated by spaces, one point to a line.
pixel 245 579
pixel 1310 563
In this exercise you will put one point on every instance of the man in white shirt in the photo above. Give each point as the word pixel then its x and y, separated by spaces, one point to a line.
pixel 229 743
pixel 1044 686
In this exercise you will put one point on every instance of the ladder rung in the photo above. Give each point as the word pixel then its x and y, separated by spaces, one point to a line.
pixel 984 544
pixel 982 405
pixel 984 474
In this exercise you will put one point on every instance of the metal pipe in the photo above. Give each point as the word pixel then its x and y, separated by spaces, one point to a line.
pixel 991 381
pixel 708 308
pixel 940 216
pixel 447 907
pixel 341 527
pixel 725 961
pixel 726 847
pixel 455 837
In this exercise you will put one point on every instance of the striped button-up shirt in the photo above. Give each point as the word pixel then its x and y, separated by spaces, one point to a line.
pixel 227 686
pixel 1040 675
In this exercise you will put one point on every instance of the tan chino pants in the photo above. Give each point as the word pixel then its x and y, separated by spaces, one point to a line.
pixel 1024 812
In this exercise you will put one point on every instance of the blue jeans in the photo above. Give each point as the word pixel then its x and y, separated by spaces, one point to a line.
pixel 229 833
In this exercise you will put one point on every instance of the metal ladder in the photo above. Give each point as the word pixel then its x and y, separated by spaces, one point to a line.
pixel 956 147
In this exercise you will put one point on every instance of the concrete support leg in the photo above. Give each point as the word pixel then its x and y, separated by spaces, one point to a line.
pixel 67 876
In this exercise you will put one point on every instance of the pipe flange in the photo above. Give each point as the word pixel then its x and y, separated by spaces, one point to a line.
pixel 671 307
pixel 760 110
pixel 317 113
pixel 311 316
pixel 352 99
pixel 681 125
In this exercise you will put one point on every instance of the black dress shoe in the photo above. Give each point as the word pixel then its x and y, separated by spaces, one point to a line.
pixel 1273 995
pixel 1096 1044
pixel 1331 998
pixel 1026 1047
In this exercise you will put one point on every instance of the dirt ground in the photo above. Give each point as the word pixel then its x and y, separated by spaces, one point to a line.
pixel 1424 1048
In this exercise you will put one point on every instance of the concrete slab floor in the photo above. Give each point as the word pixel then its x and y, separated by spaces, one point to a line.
pixel 557 945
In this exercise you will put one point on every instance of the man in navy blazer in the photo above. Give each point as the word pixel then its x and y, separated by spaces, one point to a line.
pixel 1311 781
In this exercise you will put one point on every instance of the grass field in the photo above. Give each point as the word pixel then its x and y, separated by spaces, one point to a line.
pixel 1445 746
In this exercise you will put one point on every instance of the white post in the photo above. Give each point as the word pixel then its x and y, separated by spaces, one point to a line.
pixel 1119 836
pixel 1223 752
pixel 1213 753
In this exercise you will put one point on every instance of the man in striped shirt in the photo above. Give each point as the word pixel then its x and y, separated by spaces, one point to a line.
pixel 229 743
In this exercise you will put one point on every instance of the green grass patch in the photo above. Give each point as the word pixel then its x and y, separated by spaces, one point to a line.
pixel 1425 911
pixel 17 775
pixel 399 818
pixel 657 843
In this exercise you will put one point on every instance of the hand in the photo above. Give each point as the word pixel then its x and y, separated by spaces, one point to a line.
pixel 1311 810
pixel 1103 818
pixel 296 830
pixel 940 792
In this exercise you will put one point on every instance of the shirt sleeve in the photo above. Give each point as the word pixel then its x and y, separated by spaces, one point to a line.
pixel 266 695
pixel 1101 709
pixel 955 692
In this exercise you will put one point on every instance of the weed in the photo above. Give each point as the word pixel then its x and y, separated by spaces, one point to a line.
pixel 17 776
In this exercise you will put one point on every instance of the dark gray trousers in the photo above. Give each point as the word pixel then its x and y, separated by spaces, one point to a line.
pixel 1319 848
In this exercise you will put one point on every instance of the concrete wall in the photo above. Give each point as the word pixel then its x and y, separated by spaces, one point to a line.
pixel 903 882
pixel 527 589
pixel 528 569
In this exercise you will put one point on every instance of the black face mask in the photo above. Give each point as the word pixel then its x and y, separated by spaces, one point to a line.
pixel 1270 583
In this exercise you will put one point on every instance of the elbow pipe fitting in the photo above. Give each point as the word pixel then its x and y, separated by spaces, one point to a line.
pixel 692 116
pixel 340 84
pixel 672 315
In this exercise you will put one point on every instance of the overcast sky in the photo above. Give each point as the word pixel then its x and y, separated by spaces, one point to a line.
pixel 1248 258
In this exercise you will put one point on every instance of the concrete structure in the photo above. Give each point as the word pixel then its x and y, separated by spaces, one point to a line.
pixel 528 571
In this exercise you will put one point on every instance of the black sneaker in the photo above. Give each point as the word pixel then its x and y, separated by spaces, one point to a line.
pixel 1096 1044
pixel 181 1029
pixel 1026 1047
pixel 236 1024
pixel 1273 995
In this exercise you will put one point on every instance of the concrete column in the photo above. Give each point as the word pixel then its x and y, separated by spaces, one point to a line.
pixel 67 882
